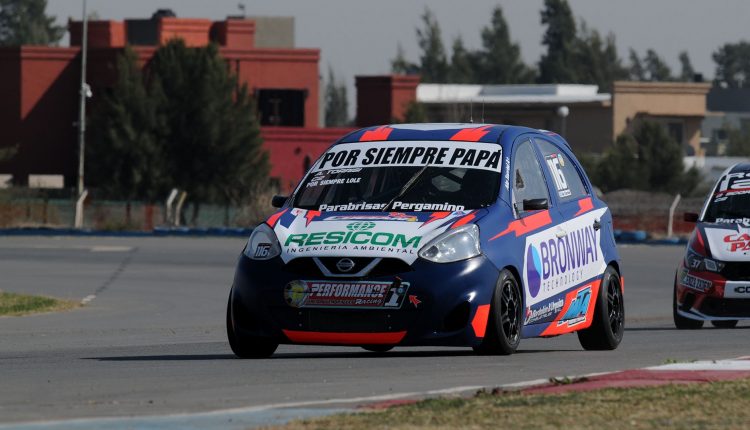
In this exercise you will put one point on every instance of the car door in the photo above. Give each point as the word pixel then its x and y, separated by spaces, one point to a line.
pixel 574 257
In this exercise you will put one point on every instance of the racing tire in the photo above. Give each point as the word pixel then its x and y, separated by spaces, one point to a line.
pixel 247 346
pixel 503 333
pixel 377 348
pixel 724 323
pixel 607 328
pixel 680 322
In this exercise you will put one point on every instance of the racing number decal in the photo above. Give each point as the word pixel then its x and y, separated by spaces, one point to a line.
pixel 555 162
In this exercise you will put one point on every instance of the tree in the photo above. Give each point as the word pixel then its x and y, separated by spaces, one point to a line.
pixel 211 136
pixel 733 64
pixel 648 159
pixel 739 142
pixel 24 22
pixel 651 68
pixel 462 67
pixel 637 71
pixel 597 60
pixel 687 72
pixel 500 59
pixel 656 68
pixel 433 61
pixel 337 105
pixel 124 152
pixel 557 65
pixel 400 65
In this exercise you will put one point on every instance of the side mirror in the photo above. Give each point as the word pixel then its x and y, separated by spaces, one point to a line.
pixel 278 201
pixel 535 204
pixel 690 217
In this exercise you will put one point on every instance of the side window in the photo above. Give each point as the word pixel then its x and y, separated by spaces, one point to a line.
pixel 528 179
pixel 566 178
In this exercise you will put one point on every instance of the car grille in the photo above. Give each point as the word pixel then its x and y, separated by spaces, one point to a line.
pixel 305 266
pixel 714 306
pixel 736 271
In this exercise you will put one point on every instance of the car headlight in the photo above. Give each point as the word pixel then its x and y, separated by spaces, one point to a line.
pixel 700 263
pixel 263 244
pixel 453 245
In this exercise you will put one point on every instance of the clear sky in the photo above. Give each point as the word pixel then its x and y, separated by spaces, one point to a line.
pixel 359 37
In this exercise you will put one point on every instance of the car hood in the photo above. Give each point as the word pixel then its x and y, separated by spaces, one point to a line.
pixel 728 241
pixel 309 233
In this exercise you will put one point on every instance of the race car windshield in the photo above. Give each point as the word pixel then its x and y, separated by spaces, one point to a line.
pixel 421 183
pixel 733 208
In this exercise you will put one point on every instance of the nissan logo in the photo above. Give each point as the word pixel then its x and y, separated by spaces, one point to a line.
pixel 345 265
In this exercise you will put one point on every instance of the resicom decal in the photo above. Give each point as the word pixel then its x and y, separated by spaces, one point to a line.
pixel 562 257
pixel 358 234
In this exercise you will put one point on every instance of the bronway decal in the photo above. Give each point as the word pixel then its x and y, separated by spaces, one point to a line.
pixel 732 184
pixel 562 257
pixel 477 155
pixel 556 162
pixel 333 294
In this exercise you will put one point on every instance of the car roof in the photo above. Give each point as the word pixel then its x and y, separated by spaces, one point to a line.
pixel 468 132
pixel 739 167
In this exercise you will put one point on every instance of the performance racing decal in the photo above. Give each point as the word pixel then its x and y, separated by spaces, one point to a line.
pixel 333 294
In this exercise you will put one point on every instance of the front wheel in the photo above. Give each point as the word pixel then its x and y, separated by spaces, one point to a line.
pixel 724 323
pixel 247 346
pixel 506 317
pixel 608 327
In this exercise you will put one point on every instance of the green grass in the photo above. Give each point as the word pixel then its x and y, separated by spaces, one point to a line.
pixel 718 405
pixel 12 304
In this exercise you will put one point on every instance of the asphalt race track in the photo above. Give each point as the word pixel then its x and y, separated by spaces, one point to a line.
pixel 151 339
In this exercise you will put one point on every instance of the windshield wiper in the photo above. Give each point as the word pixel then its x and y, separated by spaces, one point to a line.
pixel 407 186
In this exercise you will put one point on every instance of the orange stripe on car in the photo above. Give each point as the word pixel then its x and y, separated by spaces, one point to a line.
pixel 527 224
pixel 463 220
pixel 584 205
pixel 471 134
pixel 479 322
pixel 275 217
pixel 380 133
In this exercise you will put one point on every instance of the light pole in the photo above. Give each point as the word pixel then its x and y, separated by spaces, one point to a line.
pixel 563 112
pixel 85 91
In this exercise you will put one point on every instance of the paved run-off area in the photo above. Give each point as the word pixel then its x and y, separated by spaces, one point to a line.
pixel 151 339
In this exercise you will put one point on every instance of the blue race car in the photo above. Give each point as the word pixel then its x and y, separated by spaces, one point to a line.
pixel 432 234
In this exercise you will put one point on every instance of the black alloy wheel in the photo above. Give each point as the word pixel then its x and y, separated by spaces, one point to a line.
pixel 607 328
pixel 505 321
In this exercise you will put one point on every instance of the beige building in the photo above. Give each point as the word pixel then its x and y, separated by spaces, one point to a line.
pixel 588 119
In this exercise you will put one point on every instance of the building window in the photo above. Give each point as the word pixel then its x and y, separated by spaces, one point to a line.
pixel 281 107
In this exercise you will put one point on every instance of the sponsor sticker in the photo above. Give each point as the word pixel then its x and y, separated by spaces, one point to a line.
pixel 545 312
pixel 391 216
pixel 733 220
pixel 477 155
pixel 334 294
pixel 357 235
pixel 733 184
pixel 576 313
pixel 555 263
pixel 737 290
pixel 695 282
pixel 262 250
pixel 737 242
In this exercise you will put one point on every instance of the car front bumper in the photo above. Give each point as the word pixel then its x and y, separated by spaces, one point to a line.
pixel 450 306
pixel 710 296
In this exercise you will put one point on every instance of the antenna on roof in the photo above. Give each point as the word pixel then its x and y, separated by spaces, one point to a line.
pixel 471 111
pixel 482 110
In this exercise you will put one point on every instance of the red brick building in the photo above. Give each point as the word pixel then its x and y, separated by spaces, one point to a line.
pixel 39 91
